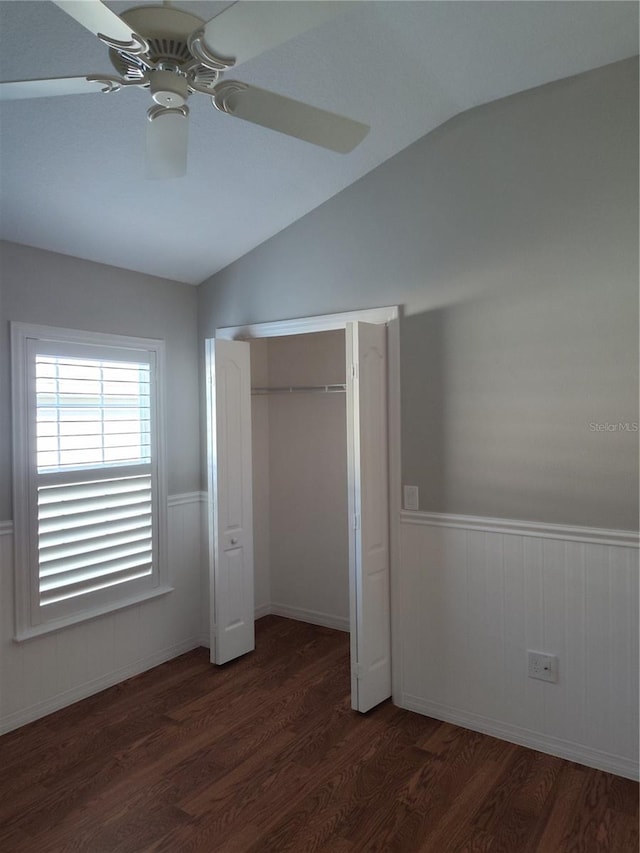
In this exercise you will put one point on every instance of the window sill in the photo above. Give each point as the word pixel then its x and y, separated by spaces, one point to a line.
pixel 48 627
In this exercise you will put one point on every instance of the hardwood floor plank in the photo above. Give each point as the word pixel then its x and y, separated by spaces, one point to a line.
pixel 511 813
pixel 432 793
pixel 265 754
pixel 480 843
pixel 565 801
pixel 592 827
pixel 327 809
pixel 467 784
pixel 263 797
pixel 174 747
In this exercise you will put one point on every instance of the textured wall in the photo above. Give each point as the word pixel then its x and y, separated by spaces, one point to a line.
pixel 50 289
pixel 510 236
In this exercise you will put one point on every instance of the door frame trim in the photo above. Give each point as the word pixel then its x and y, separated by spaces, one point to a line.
pixel 389 315
pixel 307 325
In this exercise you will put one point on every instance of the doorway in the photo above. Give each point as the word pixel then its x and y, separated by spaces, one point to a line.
pixel 372 456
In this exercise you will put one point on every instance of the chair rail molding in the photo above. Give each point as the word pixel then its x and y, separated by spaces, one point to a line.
pixel 538 529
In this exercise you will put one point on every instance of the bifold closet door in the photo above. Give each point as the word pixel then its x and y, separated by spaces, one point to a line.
pixel 366 346
pixel 230 500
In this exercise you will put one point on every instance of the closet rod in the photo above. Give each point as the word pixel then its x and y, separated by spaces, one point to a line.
pixel 301 389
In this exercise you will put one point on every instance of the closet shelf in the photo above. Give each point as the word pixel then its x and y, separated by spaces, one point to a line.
pixel 301 389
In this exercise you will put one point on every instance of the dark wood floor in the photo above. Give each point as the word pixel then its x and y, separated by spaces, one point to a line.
pixel 265 754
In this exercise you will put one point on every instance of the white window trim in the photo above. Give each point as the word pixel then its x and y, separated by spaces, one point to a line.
pixel 21 333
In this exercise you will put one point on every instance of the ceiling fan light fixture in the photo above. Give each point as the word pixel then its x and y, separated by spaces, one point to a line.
pixel 167 142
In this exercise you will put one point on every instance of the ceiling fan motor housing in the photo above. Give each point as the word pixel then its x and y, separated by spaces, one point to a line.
pixel 167 31
pixel 168 88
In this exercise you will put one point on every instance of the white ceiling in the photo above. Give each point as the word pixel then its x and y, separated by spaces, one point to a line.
pixel 72 170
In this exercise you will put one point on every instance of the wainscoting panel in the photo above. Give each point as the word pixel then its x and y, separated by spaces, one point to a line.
pixel 475 596
pixel 46 673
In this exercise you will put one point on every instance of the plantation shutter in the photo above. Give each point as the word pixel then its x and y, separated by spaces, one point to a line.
pixel 92 535
pixel 94 484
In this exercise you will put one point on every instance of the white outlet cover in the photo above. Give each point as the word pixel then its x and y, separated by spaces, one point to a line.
pixel 411 497
pixel 542 666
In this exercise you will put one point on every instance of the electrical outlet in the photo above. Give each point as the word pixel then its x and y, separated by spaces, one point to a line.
pixel 544 667
pixel 411 498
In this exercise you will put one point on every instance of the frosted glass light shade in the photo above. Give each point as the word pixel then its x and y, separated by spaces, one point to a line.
pixel 167 144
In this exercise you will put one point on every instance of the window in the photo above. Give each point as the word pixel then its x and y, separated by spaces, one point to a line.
pixel 89 495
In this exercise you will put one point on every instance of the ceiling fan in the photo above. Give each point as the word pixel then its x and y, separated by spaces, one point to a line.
pixel 175 54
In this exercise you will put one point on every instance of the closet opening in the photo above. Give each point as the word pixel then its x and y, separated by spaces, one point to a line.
pixel 300 489
pixel 299 414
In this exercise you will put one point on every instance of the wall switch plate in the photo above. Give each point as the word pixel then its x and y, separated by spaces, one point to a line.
pixel 544 667
pixel 411 497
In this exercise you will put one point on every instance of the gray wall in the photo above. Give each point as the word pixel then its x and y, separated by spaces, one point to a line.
pixel 308 511
pixel 510 236
pixel 51 289
pixel 299 445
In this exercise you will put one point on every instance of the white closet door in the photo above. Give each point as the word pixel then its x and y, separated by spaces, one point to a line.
pixel 369 511
pixel 230 502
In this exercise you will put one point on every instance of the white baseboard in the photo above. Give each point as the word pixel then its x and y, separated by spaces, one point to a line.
pixel 89 688
pixel 311 616
pixel 524 737
pixel 326 620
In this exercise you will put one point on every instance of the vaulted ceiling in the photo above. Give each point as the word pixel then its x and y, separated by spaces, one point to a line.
pixel 72 168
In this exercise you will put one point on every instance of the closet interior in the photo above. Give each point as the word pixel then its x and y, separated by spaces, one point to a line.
pixel 299 446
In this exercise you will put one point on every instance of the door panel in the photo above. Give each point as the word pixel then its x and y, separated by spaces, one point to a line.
pixel 230 501
pixel 369 510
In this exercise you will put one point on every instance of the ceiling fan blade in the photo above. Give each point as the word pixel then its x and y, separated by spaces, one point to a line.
pixel 17 90
pixel 285 115
pixel 247 29
pixel 167 133
pixel 104 23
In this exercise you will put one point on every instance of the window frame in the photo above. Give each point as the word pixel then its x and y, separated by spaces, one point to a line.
pixel 30 620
